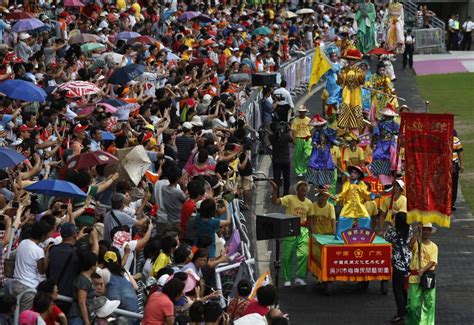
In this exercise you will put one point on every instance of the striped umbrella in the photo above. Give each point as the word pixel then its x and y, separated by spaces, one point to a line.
pixel 79 88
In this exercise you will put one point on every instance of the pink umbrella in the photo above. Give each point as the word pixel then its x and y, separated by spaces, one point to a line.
pixel 73 3
pixel 108 108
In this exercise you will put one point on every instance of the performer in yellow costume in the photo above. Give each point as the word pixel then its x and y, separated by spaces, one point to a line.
pixel 394 21
pixel 380 82
pixel 351 79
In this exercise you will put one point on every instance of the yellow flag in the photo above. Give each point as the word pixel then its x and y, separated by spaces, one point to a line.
pixel 320 66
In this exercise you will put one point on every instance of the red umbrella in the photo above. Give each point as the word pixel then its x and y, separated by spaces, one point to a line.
pixel 379 51
pixel 91 159
pixel 144 39
pixel 18 15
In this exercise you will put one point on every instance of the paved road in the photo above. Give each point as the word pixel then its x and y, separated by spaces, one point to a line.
pixel 350 305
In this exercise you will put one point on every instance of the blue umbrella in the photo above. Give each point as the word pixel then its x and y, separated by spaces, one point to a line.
pixel 129 72
pixel 10 158
pixel 107 136
pixel 56 188
pixel 261 31
pixel 25 25
pixel 23 90
pixel 168 13
pixel 127 35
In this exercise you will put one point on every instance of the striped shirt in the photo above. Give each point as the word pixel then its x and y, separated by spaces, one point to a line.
pixel 185 146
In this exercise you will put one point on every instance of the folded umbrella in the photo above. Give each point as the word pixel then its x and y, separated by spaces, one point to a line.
pixel 25 25
pixel 56 188
pixel 88 47
pixel 126 74
pixel 90 159
pixel 132 165
pixel 83 38
pixel 79 88
pixel 18 15
pixel 127 35
pixel 10 158
pixel 23 90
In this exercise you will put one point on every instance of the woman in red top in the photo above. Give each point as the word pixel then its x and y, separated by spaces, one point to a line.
pixel 56 315
pixel 159 309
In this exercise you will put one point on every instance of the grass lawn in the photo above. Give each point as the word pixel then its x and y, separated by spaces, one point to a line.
pixel 454 93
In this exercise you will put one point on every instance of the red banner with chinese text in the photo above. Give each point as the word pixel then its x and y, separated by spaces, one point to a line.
pixel 358 260
pixel 428 143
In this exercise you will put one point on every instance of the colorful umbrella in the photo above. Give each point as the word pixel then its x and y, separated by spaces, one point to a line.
pixel 144 39
pixel 25 25
pixel 127 35
pixel 90 159
pixel 188 15
pixel 114 102
pixel 83 38
pixel 23 90
pixel 126 74
pixel 133 163
pixel 10 158
pixel 56 188
pixel 73 3
pixel 168 13
pixel 88 47
pixel 19 15
pixel 108 108
pixel 379 51
pixel 204 18
pixel 262 31
pixel 80 88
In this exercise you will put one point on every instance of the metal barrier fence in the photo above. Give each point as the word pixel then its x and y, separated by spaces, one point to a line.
pixel 432 39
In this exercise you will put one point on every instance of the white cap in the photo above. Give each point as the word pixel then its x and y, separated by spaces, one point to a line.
pixel 187 125
pixel 207 98
pixel 162 280
pixel 24 36
pixel 401 184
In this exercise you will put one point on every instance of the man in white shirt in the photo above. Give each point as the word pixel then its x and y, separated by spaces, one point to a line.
pixel 284 102
pixel 409 50
pixel 467 28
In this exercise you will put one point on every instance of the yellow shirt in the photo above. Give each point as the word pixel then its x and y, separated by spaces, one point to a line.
pixel 271 14
pixel 352 158
pixel 353 196
pixel 301 128
pixel 227 52
pixel 162 261
pixel 189 42
pixel 372 209
pixel 121 5
pixel 297 208
pixel 336 155
pixel 429 253
pixel 322 219
pixel 399 205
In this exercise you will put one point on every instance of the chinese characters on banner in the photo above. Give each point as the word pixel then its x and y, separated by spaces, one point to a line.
pixel 359 260
pixel 428 142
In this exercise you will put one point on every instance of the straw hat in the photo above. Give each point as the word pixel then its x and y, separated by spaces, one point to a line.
pixel 430 225
pixel 302 108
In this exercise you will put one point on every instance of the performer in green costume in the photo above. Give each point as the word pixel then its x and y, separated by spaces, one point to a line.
pixel 365 18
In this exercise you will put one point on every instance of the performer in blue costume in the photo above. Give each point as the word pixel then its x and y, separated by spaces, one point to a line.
pixel 332 93
pixel 384 156
pixel 366 95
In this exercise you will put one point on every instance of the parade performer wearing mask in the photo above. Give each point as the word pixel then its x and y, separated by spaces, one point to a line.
pixel 365 18
pixel 353 196
pixel 351 80
pixel 300 206
pixel 394 20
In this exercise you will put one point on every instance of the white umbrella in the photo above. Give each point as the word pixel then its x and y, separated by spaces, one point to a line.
pixel 115 56
pixel 289 14
pixel 305 11
pixel 132 165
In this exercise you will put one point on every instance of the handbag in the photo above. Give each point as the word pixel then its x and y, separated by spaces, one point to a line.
pixel 428 280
